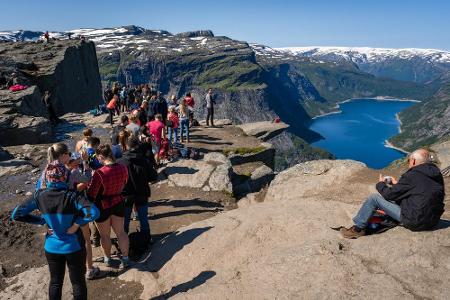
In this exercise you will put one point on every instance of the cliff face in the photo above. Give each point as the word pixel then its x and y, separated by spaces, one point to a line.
pixel 427 122
pixel 68 69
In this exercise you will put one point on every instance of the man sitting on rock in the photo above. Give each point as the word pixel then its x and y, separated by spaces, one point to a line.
pixel 416 199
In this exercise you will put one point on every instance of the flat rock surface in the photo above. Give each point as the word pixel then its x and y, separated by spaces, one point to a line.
pixel 264 130
pixel 284 248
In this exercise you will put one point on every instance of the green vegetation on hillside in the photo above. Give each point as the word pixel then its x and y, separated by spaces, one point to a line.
pixel 426 123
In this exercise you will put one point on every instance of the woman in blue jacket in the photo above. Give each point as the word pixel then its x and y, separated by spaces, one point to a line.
pixel 64 211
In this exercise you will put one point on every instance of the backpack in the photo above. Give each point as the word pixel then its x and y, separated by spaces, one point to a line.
pixel 185 153
pixel 194 154
pixel 380 222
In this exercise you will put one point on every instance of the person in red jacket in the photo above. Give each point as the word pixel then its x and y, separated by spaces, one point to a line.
pixel 190 102
pixel 106 190
pixel 173 122
pixel 113 105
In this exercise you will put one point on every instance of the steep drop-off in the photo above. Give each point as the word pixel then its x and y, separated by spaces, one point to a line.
pixel 68 69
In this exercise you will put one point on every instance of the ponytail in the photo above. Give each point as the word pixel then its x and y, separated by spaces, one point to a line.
pixel 55 151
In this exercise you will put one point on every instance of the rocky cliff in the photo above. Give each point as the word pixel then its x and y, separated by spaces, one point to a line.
pixel 68 69
pixel 428 122
pixel 284 247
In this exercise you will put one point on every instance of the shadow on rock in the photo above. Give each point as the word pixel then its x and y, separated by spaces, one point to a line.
pixel 185 203
pixel 186 286
pixel 180 170
pixel 183 212
pixel 167 248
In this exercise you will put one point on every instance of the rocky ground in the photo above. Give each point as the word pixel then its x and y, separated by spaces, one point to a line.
pixel 277 243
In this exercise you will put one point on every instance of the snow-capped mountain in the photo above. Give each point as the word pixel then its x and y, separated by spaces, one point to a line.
pixel 118 38
pixel 410 64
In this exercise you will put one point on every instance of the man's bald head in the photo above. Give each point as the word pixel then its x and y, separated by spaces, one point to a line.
pixel 418 157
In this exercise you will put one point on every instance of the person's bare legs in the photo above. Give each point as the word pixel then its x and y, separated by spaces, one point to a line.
pixel 122 236
pixel 87 243
pixel 105 236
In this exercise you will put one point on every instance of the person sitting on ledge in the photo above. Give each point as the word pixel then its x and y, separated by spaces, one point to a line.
pixel 416 199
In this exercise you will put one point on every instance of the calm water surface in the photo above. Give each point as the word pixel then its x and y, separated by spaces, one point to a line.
pixel 360 131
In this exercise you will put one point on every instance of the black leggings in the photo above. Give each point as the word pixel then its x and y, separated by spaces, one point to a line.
pixel 77 268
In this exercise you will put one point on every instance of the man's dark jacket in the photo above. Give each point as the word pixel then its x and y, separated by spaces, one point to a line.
pixel 140 173
pixel 420 194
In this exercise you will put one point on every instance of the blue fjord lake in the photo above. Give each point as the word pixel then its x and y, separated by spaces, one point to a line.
pixel 360 131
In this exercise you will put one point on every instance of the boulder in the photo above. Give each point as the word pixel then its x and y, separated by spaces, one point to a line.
pixel 188 173
pixel 264 130
pixel 261 177
pixel 209 174
pixel 265 155
pixel 20 129
pixel 283 248
pixel 220 178
pixel 14 167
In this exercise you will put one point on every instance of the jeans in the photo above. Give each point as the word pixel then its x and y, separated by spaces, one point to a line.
pixel 142 211
pixel 372 203
pixel 210 115
pixel 184 128
pixel 77 268
pixel 172 131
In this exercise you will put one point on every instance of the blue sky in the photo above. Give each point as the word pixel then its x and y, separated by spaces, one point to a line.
pixel 374 23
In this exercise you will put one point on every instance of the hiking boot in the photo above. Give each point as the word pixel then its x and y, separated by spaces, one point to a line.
pixel 92 273
pixel 352 232
pixel 124 263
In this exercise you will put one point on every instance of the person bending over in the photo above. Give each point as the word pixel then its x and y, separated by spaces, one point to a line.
pixel 416 199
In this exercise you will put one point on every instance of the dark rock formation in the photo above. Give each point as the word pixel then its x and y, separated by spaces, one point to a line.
pixel 68 69
pixel 189 34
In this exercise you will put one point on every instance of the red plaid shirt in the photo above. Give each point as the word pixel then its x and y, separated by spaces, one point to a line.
pixel 107 185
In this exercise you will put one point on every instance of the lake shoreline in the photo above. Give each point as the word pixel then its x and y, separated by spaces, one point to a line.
pixel 385 113
pixel 378 98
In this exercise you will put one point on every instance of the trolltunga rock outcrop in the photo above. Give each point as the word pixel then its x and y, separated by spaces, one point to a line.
pixel 68 69
pixel 264 130
pixel 283 248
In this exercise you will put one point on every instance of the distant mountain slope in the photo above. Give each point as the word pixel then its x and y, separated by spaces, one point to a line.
pixel 335 81
pixel 417 65
pixel 428 122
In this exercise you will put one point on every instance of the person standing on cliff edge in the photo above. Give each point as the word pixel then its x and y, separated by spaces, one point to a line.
pixel 47 100
pixel 210 101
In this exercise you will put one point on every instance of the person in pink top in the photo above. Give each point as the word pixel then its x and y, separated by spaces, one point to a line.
pixel 156 128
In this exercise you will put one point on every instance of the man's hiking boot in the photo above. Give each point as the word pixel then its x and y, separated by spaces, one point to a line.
pixel 352 232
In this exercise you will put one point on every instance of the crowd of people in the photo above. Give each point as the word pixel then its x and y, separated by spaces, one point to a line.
pixel 83 194
pixel 146 114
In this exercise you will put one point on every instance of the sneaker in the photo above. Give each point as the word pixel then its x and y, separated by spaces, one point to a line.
pixel 124 263
pixel 352 232
pixel 92 273
pixel 107 261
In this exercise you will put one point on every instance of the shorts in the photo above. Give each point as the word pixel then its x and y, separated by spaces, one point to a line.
pixel 117 210
pixel 155 147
